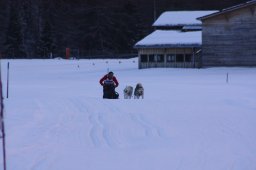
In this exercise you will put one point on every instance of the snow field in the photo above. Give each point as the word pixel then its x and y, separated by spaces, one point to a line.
pixel 190 119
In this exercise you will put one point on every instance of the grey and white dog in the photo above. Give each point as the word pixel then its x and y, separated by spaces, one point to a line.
pixel 128 92
pixel 139 91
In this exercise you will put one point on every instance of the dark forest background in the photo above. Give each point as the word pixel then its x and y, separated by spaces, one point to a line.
pixel 45 28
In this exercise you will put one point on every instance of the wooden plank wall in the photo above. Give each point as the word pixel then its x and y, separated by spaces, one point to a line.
pixel 193 64
pixel 230 39
pixel 168 65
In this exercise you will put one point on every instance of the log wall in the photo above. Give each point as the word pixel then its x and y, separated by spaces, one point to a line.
pixel 230 39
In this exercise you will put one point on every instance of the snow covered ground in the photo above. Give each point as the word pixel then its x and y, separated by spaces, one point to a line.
pixel 190 119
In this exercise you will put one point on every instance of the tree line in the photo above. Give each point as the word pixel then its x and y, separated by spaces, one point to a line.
pixel 45 28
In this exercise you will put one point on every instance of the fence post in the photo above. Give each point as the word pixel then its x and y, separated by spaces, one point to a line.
pixel 8 68
pixel 227 78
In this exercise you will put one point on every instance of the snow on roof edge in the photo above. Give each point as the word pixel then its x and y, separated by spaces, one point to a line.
pixel 170 38
pixel 229 9
pixel 168 46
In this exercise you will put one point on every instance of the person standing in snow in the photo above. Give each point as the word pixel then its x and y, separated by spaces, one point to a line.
pixel 109 83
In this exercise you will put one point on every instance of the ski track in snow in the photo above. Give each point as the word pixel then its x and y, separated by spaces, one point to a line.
pixel 81 109
pixel 150 130
pixel 99 132
pixel 94 130
pixel 106 132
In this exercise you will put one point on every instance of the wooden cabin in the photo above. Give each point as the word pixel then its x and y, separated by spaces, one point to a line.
pixel 168 48
pixel 176 42
pixel 229 36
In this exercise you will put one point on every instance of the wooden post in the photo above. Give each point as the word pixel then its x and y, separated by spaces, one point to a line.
pixel 227 78
pixel 194 61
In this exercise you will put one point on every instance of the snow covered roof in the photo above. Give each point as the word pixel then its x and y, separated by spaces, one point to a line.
pixel 170 38
pixel 180 18
pixel 230 9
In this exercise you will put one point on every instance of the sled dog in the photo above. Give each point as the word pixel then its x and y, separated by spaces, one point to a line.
pixel 139 91
pixel 128 92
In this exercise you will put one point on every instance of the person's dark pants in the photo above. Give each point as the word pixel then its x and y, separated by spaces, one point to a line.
pixel 109 92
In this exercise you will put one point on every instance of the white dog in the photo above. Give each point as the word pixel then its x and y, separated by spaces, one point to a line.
pixel 128 92
pixel 139 91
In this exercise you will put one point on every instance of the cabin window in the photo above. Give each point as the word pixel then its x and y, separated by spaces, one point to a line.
pixel 151 58
pixel 160 58
pixel 170 58
pixel 144 58
pixel 188 58
pixel 179 58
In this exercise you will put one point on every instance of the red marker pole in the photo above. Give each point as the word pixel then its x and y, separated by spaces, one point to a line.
pixel 67 53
